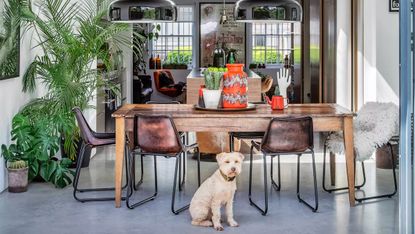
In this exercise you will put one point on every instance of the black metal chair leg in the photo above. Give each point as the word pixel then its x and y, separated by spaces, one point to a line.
pixel 76 182
pixel 152 197
pixel 136 185
pixel 390 195
pixel 265 210
pixel 277 186
pixel 173 199
pixel 330 190
pixel 231 142
pixel 314 209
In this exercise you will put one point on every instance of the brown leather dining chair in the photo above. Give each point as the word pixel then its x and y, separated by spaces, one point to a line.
pixel 182 165
pixel 91 139
pixel 285 136
pixel 156 135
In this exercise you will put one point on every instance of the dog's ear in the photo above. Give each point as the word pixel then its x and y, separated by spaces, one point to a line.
pixel 219 157
pixel 241 156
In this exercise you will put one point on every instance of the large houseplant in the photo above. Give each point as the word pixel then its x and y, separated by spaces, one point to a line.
pixel 71 36
pixel 35 142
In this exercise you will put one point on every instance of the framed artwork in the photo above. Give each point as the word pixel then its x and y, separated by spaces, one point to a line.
pixel 230 36
pixel 9 40
pixel 393 5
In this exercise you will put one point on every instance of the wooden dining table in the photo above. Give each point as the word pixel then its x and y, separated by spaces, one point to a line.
pixel 326 118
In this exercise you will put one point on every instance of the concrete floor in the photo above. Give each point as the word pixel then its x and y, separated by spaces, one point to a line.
pixel 44 209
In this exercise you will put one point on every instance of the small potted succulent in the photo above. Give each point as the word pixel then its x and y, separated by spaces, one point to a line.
pixel 18 169
pixel 213 91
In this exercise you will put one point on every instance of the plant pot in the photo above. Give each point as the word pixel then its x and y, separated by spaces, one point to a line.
pixel 235 86
pixel 18 180
pixel 212 98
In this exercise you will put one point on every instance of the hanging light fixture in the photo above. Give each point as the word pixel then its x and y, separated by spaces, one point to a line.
pixel 223 17
pixel 142 11
pixel 268 11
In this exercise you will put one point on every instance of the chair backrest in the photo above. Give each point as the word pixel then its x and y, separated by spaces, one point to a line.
pixel 157 134
pixel 157 77
pixel 87 134
pixel 291 134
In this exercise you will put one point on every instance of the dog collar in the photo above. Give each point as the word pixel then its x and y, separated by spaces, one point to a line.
pixel 228 179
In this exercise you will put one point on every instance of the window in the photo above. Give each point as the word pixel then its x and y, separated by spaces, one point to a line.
pixel 272 42
pixel 175 42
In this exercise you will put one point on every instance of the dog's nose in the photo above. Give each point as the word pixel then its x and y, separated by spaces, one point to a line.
pixel 233 169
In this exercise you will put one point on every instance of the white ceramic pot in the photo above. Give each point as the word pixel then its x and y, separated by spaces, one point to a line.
pixel 212 98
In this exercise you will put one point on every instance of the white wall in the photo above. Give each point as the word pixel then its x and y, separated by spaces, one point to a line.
pixel 13 99
pixel 381 52
pixel 344 39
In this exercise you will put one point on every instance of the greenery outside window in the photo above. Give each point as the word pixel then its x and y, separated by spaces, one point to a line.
pixel 175 42
pixel 272 42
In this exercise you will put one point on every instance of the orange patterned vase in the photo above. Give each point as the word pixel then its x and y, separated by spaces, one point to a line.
pixel 235 86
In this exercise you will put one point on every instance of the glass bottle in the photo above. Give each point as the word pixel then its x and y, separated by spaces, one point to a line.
pixel 219 58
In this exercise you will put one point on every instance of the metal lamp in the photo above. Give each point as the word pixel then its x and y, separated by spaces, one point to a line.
pixel 142 11
pixel 268 11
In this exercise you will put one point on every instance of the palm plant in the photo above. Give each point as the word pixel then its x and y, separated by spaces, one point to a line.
pixel 71 36
pixel 9 39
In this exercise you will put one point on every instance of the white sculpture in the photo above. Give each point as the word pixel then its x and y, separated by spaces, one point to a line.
pixel 284 81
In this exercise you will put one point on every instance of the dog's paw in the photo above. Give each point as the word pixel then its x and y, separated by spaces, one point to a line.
pixel 218 228
pixel 233 223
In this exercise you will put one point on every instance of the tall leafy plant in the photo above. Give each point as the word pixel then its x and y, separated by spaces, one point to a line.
pixel 9 38
pixel 71 37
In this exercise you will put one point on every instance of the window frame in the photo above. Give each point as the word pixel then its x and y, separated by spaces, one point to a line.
pixel 152 43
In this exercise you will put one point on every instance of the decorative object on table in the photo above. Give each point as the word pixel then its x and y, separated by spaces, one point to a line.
pixel 143 11
pixel 249 107
pixel 212 32
pixel 9 38
pixel 268 11
pixel 201 101
pixel 285 136
pixel 278 101
pixel 393 5
pixel 376 125
pixel 212 92
pixel 284 82
pixel 219 56
pixel 235 86
pixel 17 167
pixel 266 85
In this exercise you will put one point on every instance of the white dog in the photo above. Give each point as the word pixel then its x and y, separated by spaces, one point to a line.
pixel 217 190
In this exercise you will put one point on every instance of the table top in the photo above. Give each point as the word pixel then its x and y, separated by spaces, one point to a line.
pixel 262 111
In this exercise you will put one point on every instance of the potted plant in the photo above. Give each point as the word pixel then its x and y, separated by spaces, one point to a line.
pixel 35 142
pixel 70 44
pixel 18 170
pixel 212 91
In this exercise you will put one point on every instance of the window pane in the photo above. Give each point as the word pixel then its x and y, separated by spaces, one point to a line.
pixel 175 44
pixel 271 42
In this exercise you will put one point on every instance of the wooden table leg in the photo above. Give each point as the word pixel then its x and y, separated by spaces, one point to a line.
pixel 332 169
pixel 349 153
pixel 119 157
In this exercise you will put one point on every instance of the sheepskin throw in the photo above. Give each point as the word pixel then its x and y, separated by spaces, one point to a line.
pixel 375 124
